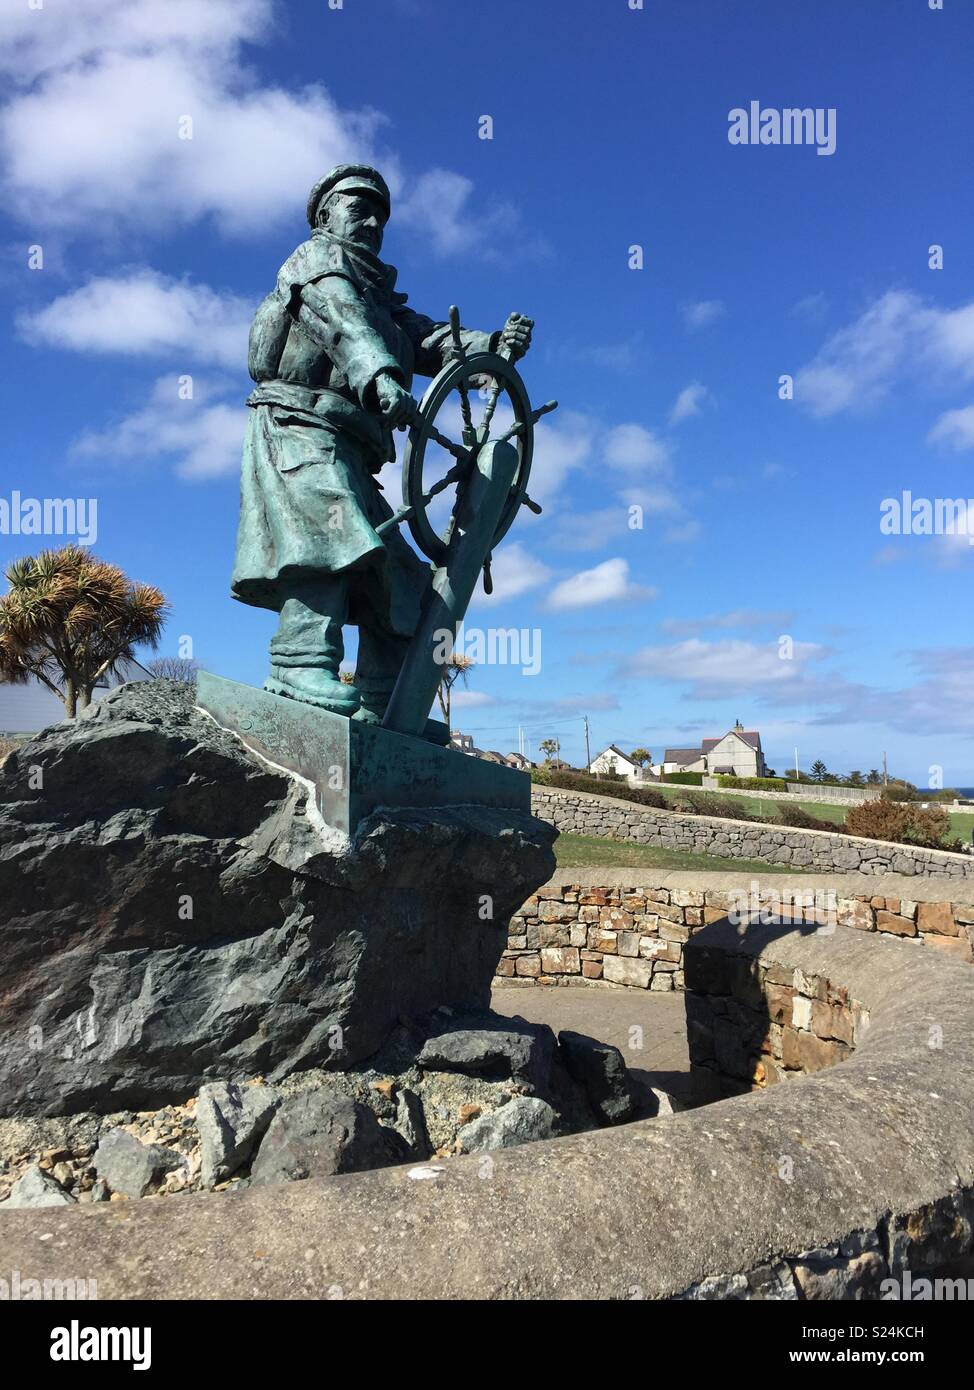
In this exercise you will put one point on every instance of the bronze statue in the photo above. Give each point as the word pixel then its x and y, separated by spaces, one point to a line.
pixel 333 350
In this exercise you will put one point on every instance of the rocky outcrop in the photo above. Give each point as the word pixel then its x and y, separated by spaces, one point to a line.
pixel 174 914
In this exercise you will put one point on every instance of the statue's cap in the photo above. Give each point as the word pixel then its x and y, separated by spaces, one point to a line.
pixel 348 178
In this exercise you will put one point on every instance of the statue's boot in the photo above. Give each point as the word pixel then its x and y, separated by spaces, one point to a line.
pixel 380 657
pixel 307 649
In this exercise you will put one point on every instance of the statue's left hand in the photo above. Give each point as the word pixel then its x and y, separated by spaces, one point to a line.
pixel 516 336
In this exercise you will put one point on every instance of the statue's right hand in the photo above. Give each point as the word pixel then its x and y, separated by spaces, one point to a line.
pixel 396 406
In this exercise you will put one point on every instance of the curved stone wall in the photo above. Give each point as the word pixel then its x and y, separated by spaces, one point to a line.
pixel 630 926
pixel 824 1187
pixel 582 813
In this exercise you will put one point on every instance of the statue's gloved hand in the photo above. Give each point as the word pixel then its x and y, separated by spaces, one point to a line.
pixel 396 406
pixel 516 336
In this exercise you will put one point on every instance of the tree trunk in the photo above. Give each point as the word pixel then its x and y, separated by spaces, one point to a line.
pixel 84 698
pixel 70 699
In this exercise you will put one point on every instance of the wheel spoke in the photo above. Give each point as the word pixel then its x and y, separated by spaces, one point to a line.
pixel 459 451
pixel 492 400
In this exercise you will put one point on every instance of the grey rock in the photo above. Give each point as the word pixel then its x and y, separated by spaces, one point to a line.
pixel 231 1121
pixel 35 1188
pixel 131 1167
pixel 320 1133
pixel 173 916
pixel 665 1103
pixel 600 1070
pixel 520 1121
pixel 515 1049
pixel 411 1123
pixel 100 1191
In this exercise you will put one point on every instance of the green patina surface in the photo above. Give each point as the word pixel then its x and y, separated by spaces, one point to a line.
pixel 357 767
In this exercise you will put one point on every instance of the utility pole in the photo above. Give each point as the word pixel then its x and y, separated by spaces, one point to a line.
pixel 885 772
pixel 797 774
pixel 588 751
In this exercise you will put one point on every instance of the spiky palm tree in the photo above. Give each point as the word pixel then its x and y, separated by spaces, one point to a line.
pixel 456 669
pixel 69 618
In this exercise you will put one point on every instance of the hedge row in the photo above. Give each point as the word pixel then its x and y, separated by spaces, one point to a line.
pixel 683 779
pixel 752 784
pixel 874 820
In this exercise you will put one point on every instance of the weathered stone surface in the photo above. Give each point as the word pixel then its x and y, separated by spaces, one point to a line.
pixel 599 1216
pixel 520 1121
pixel 173 914
pixel 520 1050
pixel 320 1133
pixel 129 1166
pixel 231 1120
pixel 37 1189
pixel 411 1123
pixel 599 1068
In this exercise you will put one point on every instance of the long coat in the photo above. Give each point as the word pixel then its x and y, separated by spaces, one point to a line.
pixel 309 501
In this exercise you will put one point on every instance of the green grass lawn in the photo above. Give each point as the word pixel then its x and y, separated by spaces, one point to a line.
pixel 961 823
pixel 575 851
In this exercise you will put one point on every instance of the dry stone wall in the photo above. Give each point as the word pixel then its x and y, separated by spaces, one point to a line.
pixel 634 934
pixel 582 813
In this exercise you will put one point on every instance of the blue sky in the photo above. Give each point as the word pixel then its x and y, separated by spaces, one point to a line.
pixel 610 125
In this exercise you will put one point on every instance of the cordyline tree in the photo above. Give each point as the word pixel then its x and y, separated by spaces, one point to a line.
pixel 69 618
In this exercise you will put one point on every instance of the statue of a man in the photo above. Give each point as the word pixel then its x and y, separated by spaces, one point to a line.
pixel 333 350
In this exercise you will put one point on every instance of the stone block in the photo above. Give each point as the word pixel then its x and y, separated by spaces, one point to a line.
pixel 936 918
pixel 621 971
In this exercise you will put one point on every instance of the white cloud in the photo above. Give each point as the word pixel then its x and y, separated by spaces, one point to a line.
pixel 471 699
pixel 97 124
pixel 738 619
pixel 514 571
pixel 608 582
pixel 701 313
pixel 718 669
pixel 689 402
pixel 635 449
pixel 857 366
pixel 92 130
pixel 145 314
pixel 203 437
pixel 955 428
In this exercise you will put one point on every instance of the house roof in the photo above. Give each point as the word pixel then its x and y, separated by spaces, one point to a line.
pixel 681 755
pixel 618 751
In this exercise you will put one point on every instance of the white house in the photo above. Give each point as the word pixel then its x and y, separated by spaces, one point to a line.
pixel 28 708
pixel 612 759
pixel 738 752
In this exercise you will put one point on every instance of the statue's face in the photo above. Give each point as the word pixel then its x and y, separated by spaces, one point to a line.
pixel 356 217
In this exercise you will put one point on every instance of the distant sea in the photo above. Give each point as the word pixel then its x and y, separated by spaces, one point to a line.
pixel 966 793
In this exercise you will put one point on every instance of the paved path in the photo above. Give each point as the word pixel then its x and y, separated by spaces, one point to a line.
pixel 622 1017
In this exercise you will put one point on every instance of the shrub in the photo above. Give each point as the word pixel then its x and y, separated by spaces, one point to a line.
pixel 711 804
pixel 929 828
pixel 898 791
pixel 753 784
pixel 586 782
pixel 800 819
pixel 881 819
pixel 684 779
pixel 907 824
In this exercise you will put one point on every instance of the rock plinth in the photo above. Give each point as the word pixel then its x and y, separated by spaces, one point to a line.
pixel 175 912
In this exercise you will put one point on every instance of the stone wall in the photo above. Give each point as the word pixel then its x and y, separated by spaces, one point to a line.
pixel 755 1024
pixel 582 813
pixel 799 791
pixel 833 1186
pixel 633 933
